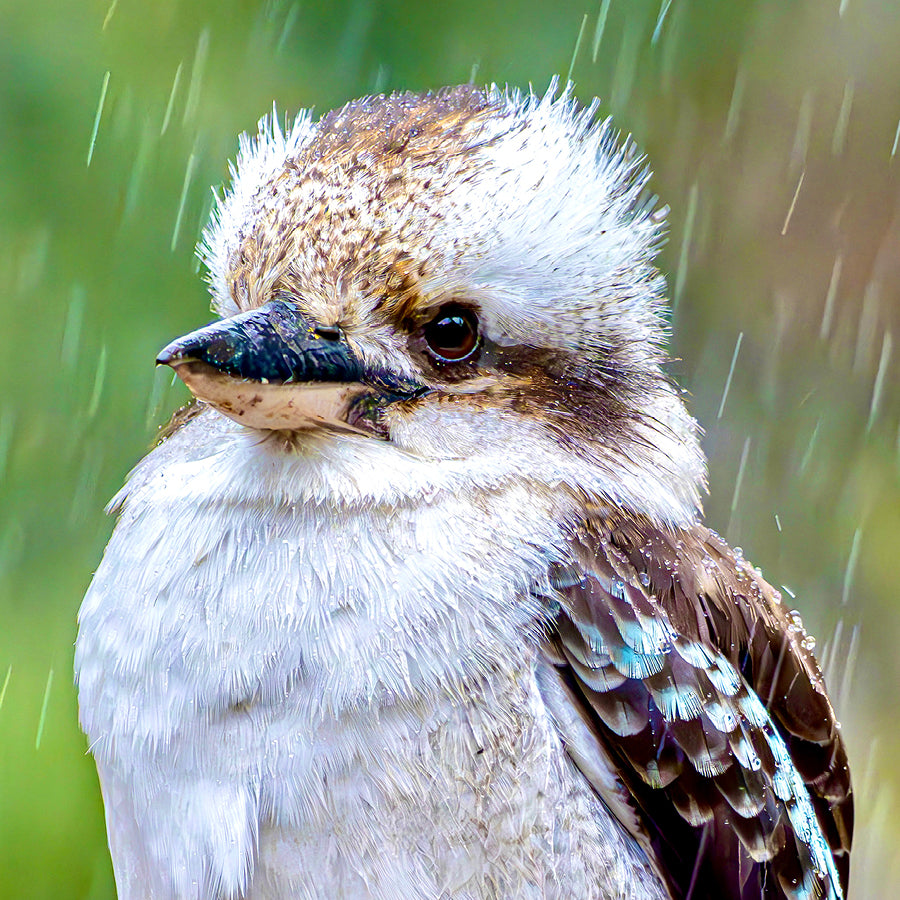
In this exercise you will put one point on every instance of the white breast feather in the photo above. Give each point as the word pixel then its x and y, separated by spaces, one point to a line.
pixel 299 674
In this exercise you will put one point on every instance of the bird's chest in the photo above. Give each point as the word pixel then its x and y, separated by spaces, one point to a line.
pixel 310 619
pixel 332 686
pixel 461 799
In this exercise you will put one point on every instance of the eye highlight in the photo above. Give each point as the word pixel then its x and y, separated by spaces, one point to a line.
pixel 452 335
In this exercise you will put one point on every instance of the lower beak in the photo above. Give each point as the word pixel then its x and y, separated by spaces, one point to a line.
pixel 273 369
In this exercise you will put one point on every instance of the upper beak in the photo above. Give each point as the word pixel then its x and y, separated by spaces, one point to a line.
pixel 272 368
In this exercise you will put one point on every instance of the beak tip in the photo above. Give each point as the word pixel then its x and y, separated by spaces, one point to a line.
pixel 169 354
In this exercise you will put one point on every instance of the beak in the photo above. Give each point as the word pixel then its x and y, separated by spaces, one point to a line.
pixel 271 368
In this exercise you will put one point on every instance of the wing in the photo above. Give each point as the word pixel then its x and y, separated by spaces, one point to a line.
pixel 675 659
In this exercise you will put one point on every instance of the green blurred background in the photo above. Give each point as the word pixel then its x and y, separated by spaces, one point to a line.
pixel 772 128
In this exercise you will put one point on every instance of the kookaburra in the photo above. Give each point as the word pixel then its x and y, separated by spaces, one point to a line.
pixel 415 600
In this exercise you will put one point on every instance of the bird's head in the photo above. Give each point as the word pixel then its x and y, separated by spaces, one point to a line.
pixel 463 275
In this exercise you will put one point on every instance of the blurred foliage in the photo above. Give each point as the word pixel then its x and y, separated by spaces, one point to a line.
pixel 772 128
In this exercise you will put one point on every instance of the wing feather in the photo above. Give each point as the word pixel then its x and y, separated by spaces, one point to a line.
pixel 703 689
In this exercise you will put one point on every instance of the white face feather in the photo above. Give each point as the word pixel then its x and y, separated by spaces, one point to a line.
pixel 551 241
pixel 536 217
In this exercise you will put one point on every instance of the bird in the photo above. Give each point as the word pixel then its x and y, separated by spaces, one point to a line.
pixel 415 598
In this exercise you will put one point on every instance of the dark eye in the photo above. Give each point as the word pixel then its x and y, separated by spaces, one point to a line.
pixel 452 335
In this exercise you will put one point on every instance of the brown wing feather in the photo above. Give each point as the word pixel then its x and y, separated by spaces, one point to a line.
pixel 705 689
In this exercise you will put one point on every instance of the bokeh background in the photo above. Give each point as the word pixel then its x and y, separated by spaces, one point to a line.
pixel 773 131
